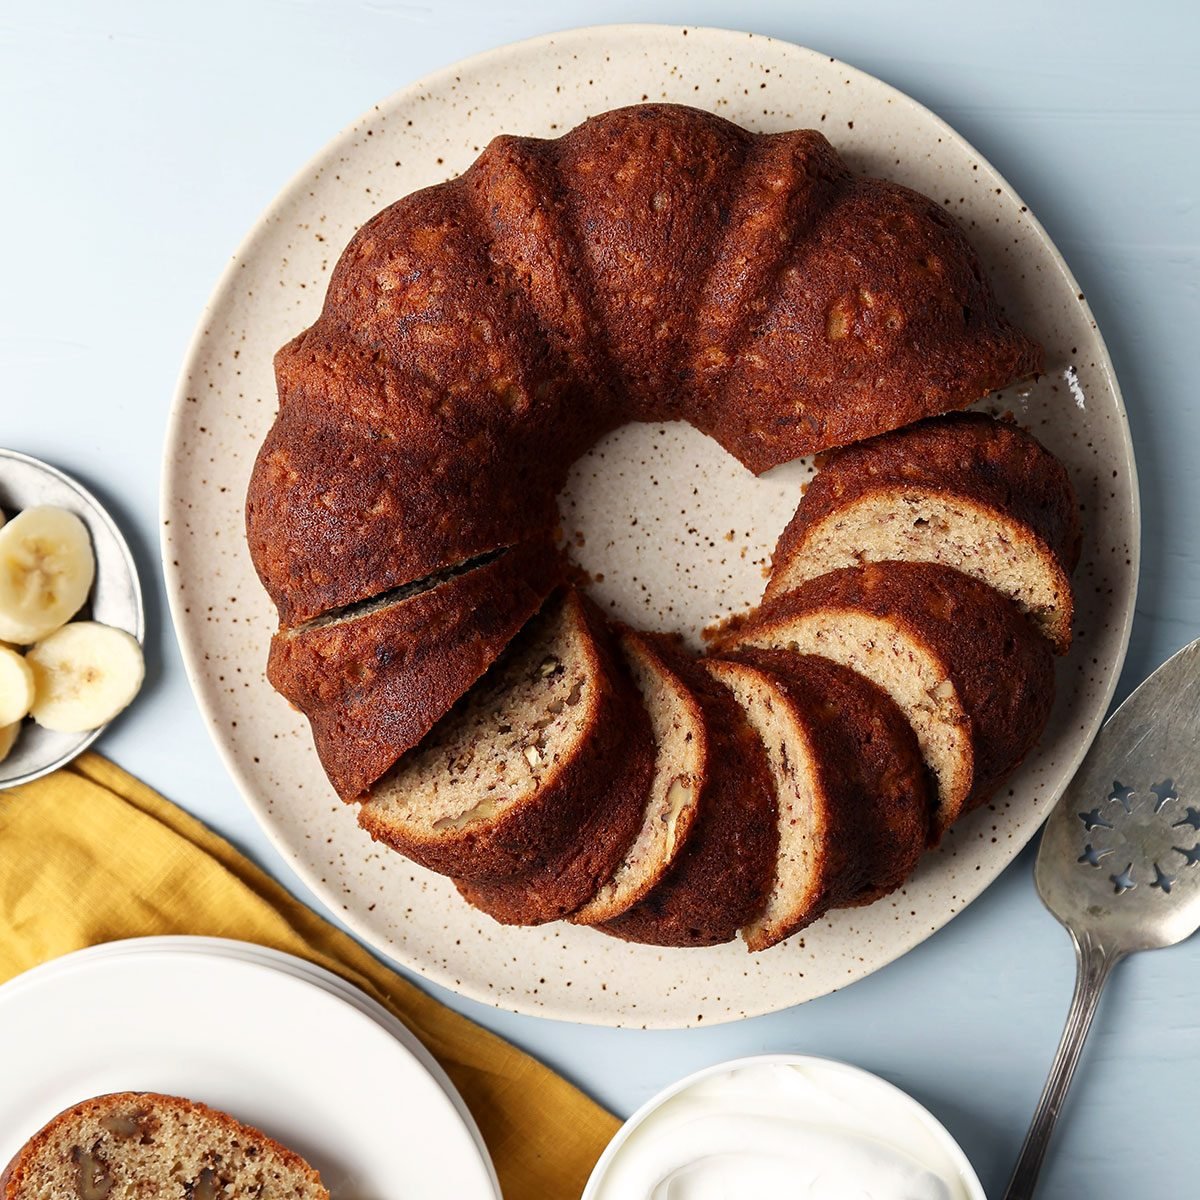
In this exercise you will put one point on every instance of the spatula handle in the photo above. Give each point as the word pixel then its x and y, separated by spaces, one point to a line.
pixel 1093 962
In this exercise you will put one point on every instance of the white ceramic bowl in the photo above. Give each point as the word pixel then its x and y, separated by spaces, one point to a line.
pixel 872 1086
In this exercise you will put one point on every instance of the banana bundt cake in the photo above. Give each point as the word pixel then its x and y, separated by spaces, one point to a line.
pixel 660 263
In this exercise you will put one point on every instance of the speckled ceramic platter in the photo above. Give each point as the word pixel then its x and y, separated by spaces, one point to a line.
pixel 678 531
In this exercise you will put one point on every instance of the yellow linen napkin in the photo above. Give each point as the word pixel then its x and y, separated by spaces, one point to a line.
pixel 89 855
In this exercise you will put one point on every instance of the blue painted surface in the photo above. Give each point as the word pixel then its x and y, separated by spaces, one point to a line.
pixel 141 140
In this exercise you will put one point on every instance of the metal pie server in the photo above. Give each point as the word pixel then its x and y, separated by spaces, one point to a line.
pixel 1119 863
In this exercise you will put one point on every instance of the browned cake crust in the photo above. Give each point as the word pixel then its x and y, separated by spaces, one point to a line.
pixel 520 199
pixel 644 192
pixel 655 262
pixel 108 1114
pixel 972 454
pixel 612 738
pixel 720 878
pixel 991 499
pixel 605 806
pixel 338 512
pixel 879 316
pixel 1001 669
pixel 373 685
pixel 871 769
pixel 563 884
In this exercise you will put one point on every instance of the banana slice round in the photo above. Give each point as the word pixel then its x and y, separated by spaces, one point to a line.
pixel 8 738
pixel 84 674
pixel 16 686
pixel 46 571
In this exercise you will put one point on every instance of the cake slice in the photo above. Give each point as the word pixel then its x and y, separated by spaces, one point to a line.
pixel 854 802
pixel 966 491
pixel 551 742
pixel 133 1144
pixel 556 887
pixel 719 880
pixel 681 753
pixel 969 672
pixel 375 678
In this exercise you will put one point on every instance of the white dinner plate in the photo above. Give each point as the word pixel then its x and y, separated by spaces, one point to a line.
pixel 274 1049
pixel 289 964
pixel 705 529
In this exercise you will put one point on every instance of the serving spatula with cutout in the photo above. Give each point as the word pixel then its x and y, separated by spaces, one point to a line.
pixel 1119 863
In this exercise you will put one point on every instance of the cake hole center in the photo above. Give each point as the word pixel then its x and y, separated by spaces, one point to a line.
pixel 674 533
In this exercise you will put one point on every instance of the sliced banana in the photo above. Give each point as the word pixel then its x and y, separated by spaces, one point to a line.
pixel 16 686
pixel 8 737
pixel 84 674
pixel 46 571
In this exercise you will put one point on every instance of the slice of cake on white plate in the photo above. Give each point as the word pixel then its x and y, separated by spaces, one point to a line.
pixel 129 1145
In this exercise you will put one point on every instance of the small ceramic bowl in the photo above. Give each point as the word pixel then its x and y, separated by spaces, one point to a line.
pixel 115 599
pixel 886 1102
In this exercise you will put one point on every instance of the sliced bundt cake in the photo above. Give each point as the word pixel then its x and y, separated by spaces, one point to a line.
pixel 681 752
pixel 133 1144
pixel 970 673
pixel 656 262
pixel 854 801
pixel 964 490
pixel 719 879
pixel 375 678
pixel 552 741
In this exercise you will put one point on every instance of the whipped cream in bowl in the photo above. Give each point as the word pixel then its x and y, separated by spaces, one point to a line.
pixel 783 1126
